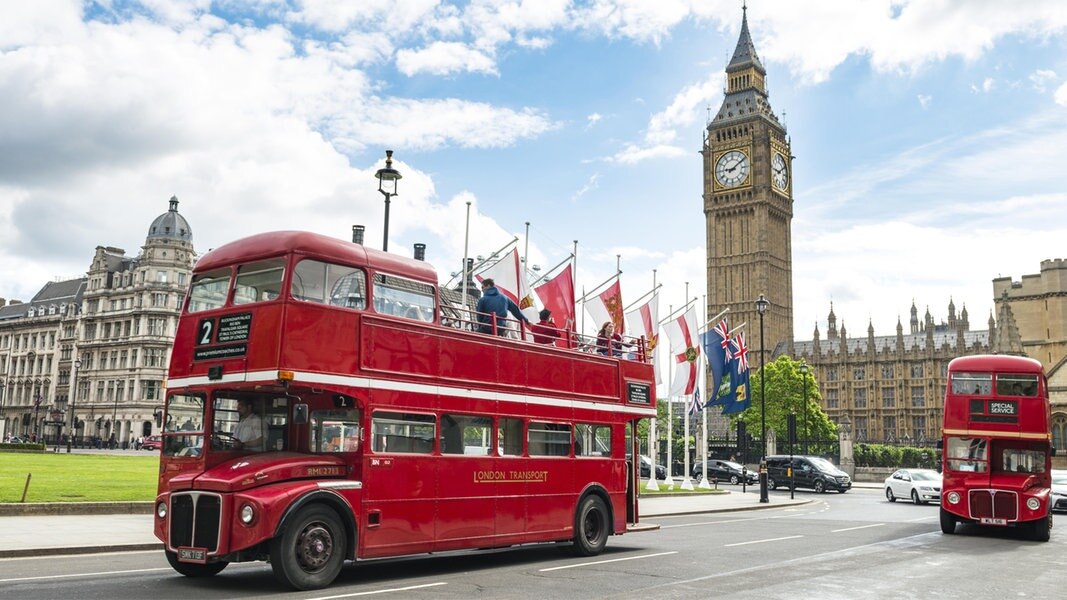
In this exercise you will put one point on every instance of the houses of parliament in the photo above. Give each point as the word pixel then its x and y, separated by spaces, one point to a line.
pixel 890 387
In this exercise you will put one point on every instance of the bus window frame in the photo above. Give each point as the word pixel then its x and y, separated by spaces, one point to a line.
pixel 193 287
pixel 265 266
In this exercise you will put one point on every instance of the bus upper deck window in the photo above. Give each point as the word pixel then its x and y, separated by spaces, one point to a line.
pixel 326 283
pixel 972 384
pixel 209 290
pixel 259 281
pixel 1017 385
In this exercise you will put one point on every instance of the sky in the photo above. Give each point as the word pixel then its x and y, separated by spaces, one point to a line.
pixel 929 135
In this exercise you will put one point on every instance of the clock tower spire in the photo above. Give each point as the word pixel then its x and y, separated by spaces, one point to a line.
pixel 748 203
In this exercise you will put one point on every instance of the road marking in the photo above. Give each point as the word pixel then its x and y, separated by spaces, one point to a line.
pixel 921 519
pixel 604 562
pixel 385 591
pixel 788 537
pixel 855 528
pixel 126 572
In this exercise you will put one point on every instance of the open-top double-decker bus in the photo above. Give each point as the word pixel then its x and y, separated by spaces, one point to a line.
pixel 321 409
pixel 997 446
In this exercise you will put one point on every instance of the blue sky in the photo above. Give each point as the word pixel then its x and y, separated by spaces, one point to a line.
pixel 929 135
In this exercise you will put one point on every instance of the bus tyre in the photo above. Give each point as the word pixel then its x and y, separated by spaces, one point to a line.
pixel 591 527
pixel 948 522
pixel 1041 529
pixel 308 555
pixel 193 569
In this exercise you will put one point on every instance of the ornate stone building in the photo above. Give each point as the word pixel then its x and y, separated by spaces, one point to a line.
pixel 109 332
pixel 891 387
pixel 748 203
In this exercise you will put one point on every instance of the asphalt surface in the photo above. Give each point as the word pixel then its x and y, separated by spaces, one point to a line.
pixel 52 529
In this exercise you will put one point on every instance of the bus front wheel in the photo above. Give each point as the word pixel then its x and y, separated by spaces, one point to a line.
pixel 948 522
pixel 1041 529
pixel 308 555
pixel 591 527
pixel 194 569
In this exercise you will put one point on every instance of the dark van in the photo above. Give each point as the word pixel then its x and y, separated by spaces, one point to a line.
pixel 812 472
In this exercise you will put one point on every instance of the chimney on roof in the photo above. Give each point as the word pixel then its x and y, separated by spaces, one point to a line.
pixel 357 234
pixel 420 251
pixel 14 302
pixel 3 302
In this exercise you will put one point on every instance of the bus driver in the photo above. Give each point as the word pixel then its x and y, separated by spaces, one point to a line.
pixel 249 430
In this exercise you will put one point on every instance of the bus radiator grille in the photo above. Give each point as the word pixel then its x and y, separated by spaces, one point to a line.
pixel 994 504
pixel 194 520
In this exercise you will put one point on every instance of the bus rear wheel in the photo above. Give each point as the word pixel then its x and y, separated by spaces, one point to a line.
pixel 948 522
pixel 308 555
pixel 1041 529
pixel 591 527
pixel 194 569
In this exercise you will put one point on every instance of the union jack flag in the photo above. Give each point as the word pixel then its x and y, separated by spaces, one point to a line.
pixel 740 351
pixel 724 335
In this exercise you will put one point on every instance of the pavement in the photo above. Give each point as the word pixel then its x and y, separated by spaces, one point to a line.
pixel 67 528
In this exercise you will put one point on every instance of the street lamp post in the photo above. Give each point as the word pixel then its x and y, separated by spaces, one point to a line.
pixel 73 401
pixel 804 369
pixel 387 178
pixel 761 307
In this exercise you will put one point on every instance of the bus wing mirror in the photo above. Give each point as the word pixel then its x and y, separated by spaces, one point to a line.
pixel 300 414
pixel 940 444
pixel 1053 451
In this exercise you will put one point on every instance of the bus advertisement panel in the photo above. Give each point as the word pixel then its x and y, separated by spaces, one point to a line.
pixel 327 403
pixel 997 451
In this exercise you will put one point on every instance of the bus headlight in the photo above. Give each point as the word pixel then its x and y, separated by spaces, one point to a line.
pixel 953 497
pixel 1033 503
pixel 248 514
pixel 161 510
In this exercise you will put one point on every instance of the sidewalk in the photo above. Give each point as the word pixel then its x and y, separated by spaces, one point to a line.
pixel 56 534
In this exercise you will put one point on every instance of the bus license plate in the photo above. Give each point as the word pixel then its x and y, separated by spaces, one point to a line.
pixel 988 521
pixel 192 555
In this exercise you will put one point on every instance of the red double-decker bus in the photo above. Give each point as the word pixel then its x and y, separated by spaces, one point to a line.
pixel 997 450
pixel 326 404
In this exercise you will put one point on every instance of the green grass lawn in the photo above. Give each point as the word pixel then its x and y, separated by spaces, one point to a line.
pixel 78 477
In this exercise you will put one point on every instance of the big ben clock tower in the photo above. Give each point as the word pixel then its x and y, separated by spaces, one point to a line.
pixel 748 204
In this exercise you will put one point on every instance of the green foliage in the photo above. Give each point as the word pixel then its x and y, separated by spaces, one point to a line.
pixel 24 447
pixel 905 457
pixel 785 394
pixel 79 477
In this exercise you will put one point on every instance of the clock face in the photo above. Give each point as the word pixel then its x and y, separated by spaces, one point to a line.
pixel 779 172
pixel 732 168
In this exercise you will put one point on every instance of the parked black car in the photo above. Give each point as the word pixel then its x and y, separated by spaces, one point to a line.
pixel 725 470
pixel 813 472
pixel 646 469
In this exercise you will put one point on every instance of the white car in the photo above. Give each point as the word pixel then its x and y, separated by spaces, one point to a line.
pixel 921 485
pixel 1058 498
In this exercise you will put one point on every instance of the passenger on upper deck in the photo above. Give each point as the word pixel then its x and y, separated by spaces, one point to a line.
pixel 608 342
pixel 493 303
pixel 545 330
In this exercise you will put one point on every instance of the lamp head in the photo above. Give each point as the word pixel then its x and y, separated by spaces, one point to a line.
pixel 761 304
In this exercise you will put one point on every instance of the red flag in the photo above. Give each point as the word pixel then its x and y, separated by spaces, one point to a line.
pixel 608 307
pixel 557 294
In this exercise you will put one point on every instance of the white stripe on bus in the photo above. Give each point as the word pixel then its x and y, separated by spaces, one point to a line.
pixel 422 388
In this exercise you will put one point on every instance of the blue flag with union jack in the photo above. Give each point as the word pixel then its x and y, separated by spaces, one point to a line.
pixel 740 396
pixel 717 348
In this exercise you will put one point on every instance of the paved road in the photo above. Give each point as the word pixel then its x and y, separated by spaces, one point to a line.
pixel 851 546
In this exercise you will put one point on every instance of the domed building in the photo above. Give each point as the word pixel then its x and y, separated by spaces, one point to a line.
pixel 109 334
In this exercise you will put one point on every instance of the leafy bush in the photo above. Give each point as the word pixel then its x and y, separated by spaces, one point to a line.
pixel 26 447
pixel 881 455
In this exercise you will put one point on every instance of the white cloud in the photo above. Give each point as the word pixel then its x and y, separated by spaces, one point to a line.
pixel 633 154
pixel 1061 95
pixel 1041 78
pixel 924 101
pixel 589 186
pixel 444 58
pixel 593 119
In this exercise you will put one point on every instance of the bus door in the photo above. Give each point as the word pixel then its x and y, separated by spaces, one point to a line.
pixel 467 481
pixel 510 492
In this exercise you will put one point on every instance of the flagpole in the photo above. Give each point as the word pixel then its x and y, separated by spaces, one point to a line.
pixel 704 485
pixel 466 243
pixel 646 295
pixel 687 483
pixel 598 286
pixel 674 313
pixel 670 426
pixel 481 263
pixel 550 271
pixel 714 319
pixel 526 248
pixel 653 440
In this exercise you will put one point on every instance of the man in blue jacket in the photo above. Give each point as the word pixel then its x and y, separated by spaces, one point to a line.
pixel 493 303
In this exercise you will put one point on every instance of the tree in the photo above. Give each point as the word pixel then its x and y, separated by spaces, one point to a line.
pixel 785 394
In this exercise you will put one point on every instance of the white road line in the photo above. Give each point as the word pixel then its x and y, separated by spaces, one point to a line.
pixel 126 572
pixel 855 528
pixel 385 591
pixel 604 562
pixel 921 519
pixel 789 537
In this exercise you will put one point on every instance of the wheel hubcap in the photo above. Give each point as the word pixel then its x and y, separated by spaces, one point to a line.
pixel 314 547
